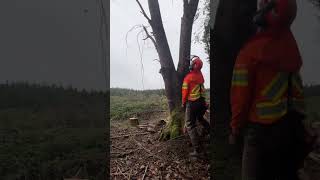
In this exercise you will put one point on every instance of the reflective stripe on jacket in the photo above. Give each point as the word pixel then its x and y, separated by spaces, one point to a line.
pixel 192 87
pixel 259 93
pixel 260 77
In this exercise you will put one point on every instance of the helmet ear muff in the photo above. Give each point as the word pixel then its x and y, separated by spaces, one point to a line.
pixel 191 66
pixel 192 62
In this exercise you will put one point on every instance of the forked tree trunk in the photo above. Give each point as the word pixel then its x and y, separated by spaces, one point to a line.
pixel 167 70
pixel 172 78
pixel 231 29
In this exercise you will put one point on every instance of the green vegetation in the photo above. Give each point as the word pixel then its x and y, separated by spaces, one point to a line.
pixel 48 132
pixel 125 102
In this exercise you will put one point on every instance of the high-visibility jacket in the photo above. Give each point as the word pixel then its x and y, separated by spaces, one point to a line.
pixel 192 87
pixel 260 78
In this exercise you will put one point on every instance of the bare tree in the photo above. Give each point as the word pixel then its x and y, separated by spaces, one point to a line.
pixel 172 77
pixel 231 29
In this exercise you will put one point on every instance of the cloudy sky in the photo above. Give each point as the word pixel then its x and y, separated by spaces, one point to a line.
pixel 306 29
pixel 126 64
pixel 51 41
pixel 55 41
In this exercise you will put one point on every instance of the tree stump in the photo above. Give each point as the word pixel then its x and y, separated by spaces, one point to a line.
pixel 133 122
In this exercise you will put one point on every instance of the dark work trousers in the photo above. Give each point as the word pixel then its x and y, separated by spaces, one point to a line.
pixel 195 111
pixel 273 152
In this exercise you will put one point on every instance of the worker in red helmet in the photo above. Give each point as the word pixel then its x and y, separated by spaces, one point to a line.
pixel 193 99
pixel 267 97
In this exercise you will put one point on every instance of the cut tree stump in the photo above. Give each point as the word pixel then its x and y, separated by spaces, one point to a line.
pixel 133 121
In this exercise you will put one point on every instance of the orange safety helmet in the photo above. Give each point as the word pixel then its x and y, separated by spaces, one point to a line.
pixel 196 63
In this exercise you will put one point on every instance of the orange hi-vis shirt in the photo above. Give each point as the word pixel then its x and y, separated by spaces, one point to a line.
pixel 192 87
pixel 260 78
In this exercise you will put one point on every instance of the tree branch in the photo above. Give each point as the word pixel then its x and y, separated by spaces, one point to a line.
pixel 150 37
pixel 144 12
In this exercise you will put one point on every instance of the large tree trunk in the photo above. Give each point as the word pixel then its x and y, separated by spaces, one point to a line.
pixel 167 71
pixel 189 10
pixel 231 29
pixel 172 78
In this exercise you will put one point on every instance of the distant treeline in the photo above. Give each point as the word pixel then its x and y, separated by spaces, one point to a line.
pixel 22 94
pixel 131 92
pixel 309 90
pixel 50 132
pixel 23 90
pixel 312 90
pixel 126 92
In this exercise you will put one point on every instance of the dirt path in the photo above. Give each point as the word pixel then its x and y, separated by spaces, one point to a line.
pixel 136 153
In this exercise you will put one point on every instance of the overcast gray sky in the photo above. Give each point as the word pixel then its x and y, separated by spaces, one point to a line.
pixel 54 41
pixel 125 61
pixel 50 41
pixel 306 29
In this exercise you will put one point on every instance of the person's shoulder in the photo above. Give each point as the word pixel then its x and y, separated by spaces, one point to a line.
pixel 188 76
pixel 251 51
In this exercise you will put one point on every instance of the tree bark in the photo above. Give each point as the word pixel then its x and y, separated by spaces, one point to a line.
pixel 167 70
pixel 189 10
pixel 231 29
pixel 172 78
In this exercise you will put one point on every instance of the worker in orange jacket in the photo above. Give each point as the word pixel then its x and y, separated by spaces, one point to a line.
pixel 193 99
pixel 267 97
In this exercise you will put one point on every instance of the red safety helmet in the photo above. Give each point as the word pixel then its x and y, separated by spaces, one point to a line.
pixel 196 63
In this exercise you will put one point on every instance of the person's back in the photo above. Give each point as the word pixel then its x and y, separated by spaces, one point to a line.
pixel 266 89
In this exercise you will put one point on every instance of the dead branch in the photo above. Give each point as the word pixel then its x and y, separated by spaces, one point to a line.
pixel 128 135
pixel 150 37
pixel 119 169
pixel 143 12
pixel 78 172
pixel 131 29
pixel 119 155
pixel 147 150
pixel 183 174
pixel 145 171
pixel 115 147
pixel 130 174
pixel 120 174
pixel 141 54
pixel 178 137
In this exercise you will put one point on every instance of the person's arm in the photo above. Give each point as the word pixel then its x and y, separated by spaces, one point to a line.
pixel 185 90
pixel 241 92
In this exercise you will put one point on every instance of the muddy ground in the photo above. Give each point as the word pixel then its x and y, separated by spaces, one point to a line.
pixel 137 153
